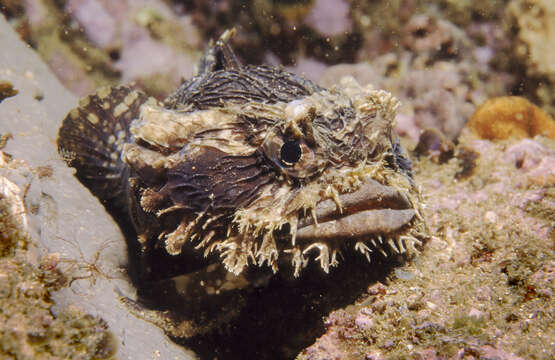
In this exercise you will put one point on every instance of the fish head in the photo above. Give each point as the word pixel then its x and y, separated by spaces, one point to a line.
pixel 280 182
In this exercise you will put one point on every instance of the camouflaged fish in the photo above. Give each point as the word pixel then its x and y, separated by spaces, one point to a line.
pixel 250 165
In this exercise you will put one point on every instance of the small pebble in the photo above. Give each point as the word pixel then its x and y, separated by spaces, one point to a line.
pixel 404 275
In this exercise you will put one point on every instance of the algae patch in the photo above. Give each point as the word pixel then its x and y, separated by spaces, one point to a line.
pixel 6 90
pixel 28 330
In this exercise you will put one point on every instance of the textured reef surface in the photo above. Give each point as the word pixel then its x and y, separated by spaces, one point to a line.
pixel 486 278
pixel 475 85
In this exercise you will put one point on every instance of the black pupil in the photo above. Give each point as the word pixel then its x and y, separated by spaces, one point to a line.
pixel 290 152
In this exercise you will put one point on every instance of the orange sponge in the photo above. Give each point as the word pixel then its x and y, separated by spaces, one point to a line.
pixel 510 116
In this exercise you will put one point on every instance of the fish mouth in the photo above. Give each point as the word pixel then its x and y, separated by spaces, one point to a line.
pixel 372 210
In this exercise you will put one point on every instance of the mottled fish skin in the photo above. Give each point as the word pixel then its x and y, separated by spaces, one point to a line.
pixel 241 164
pixel 91 140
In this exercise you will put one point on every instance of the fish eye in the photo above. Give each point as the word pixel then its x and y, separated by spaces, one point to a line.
pixel 293 156
pixel 290 152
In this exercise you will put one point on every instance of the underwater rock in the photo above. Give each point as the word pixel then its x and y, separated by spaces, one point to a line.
pixel 425 33
pixel 6 90
pixel 322 30
pixel 128 30
pixel 510 116
pixel 535 161
pixel 535 25
pixel 363 72
pixel 330 17
pixel 436 96
pixel 470 12
pixel 62 216
pixel 329 346
pixel 493 232
pixel 13 222
pixel 434 144
pixel 532 26
pixel 92 43
pixel 28 328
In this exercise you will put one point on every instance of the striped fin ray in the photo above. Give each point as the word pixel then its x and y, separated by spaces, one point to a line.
pixel 91 140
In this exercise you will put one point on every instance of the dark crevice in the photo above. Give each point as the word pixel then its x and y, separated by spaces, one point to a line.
pixel 277 321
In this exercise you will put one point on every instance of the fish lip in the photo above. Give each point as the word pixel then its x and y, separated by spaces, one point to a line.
pixel 373 208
